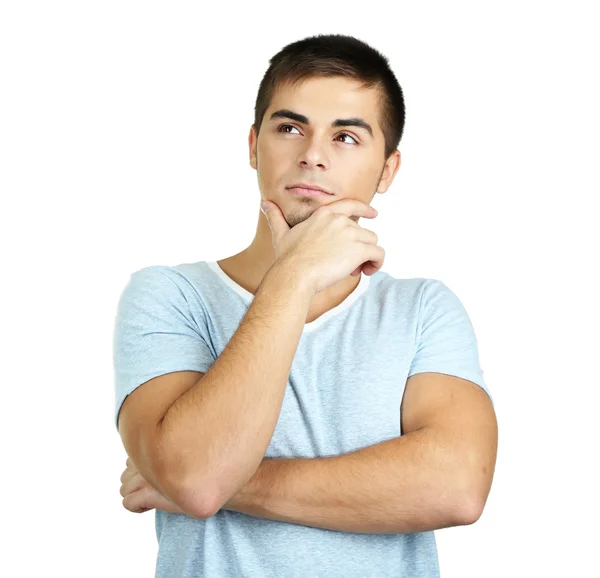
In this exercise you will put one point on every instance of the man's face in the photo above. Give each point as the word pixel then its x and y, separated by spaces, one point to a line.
pixel 347 161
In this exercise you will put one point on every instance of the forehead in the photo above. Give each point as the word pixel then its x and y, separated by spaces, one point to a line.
pixel 325 99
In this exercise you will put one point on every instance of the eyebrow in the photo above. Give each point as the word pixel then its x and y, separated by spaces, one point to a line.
pixel 354 121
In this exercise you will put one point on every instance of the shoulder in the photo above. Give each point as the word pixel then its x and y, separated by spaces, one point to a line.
pixel 407 289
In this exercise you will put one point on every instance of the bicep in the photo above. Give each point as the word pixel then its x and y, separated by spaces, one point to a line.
pixel 463 411
pixel 139 418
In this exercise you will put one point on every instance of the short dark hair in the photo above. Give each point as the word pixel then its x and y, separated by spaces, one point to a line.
pixel 328 55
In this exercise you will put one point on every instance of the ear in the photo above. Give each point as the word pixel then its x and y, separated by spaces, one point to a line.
pixel 252 138
pixel 389 171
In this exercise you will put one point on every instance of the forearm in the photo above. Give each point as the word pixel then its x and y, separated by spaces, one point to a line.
pixel 217 433
pixel 398 486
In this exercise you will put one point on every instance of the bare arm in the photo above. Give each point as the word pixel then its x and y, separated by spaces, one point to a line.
pixel 214 437
pixel 399 486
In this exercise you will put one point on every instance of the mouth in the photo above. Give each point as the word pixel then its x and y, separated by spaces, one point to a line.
pixel 308 190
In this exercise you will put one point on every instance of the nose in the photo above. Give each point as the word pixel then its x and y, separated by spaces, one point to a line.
pixel 313 156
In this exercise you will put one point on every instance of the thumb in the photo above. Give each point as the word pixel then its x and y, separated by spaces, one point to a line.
pixel 275 219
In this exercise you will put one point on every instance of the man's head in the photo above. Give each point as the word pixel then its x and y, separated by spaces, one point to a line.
pixel 297 137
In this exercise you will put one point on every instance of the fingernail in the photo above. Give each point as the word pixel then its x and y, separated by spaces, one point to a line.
pixel 264 207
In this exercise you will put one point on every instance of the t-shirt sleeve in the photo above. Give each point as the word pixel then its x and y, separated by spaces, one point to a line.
pixel 446 341
pixel 157 331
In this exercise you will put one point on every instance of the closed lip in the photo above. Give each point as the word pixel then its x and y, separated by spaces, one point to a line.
pixel 312 187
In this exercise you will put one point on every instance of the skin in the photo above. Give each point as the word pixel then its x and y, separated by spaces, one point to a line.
pixel 346 161
pixel 394 485
pixel 317 154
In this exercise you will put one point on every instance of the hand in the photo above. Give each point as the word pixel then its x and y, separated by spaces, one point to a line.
pixel 139 496
pixel 330 244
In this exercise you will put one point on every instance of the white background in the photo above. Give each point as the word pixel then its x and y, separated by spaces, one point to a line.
pixel 123 143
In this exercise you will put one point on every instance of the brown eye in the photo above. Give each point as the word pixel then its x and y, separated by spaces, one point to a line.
pixel 285 126
pixel 346 134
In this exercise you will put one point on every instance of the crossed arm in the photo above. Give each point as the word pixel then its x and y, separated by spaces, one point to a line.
pixel 438 474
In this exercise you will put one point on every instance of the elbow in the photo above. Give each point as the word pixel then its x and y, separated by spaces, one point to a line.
pixel 206 498
pixel 469 500
pixel 204 509
pixel 189 493
pixel 196 499
pixel 191 498
pixel 468 510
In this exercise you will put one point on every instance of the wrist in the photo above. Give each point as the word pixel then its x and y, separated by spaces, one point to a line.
pixel 292 275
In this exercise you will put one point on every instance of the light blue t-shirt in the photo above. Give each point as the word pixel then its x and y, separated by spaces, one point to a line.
pixel 344 392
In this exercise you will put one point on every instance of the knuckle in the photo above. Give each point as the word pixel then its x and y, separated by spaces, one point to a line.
pixel 373 238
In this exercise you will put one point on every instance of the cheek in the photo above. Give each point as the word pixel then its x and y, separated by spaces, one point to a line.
pixel 276 152
pixel 274 162
pixel 360 181
pixel 361 176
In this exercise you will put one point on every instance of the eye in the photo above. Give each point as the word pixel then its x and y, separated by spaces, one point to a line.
pixel 283 126
pixel 346 134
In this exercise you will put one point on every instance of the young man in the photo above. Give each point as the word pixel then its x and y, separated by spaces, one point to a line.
pixel 293 410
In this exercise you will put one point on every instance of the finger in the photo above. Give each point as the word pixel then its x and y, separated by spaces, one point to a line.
pixel 128 473
pixel 132 484
pixel 350 208
pixel 136 503
pixel 276 220
pixel 368 268
pixel 373 265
